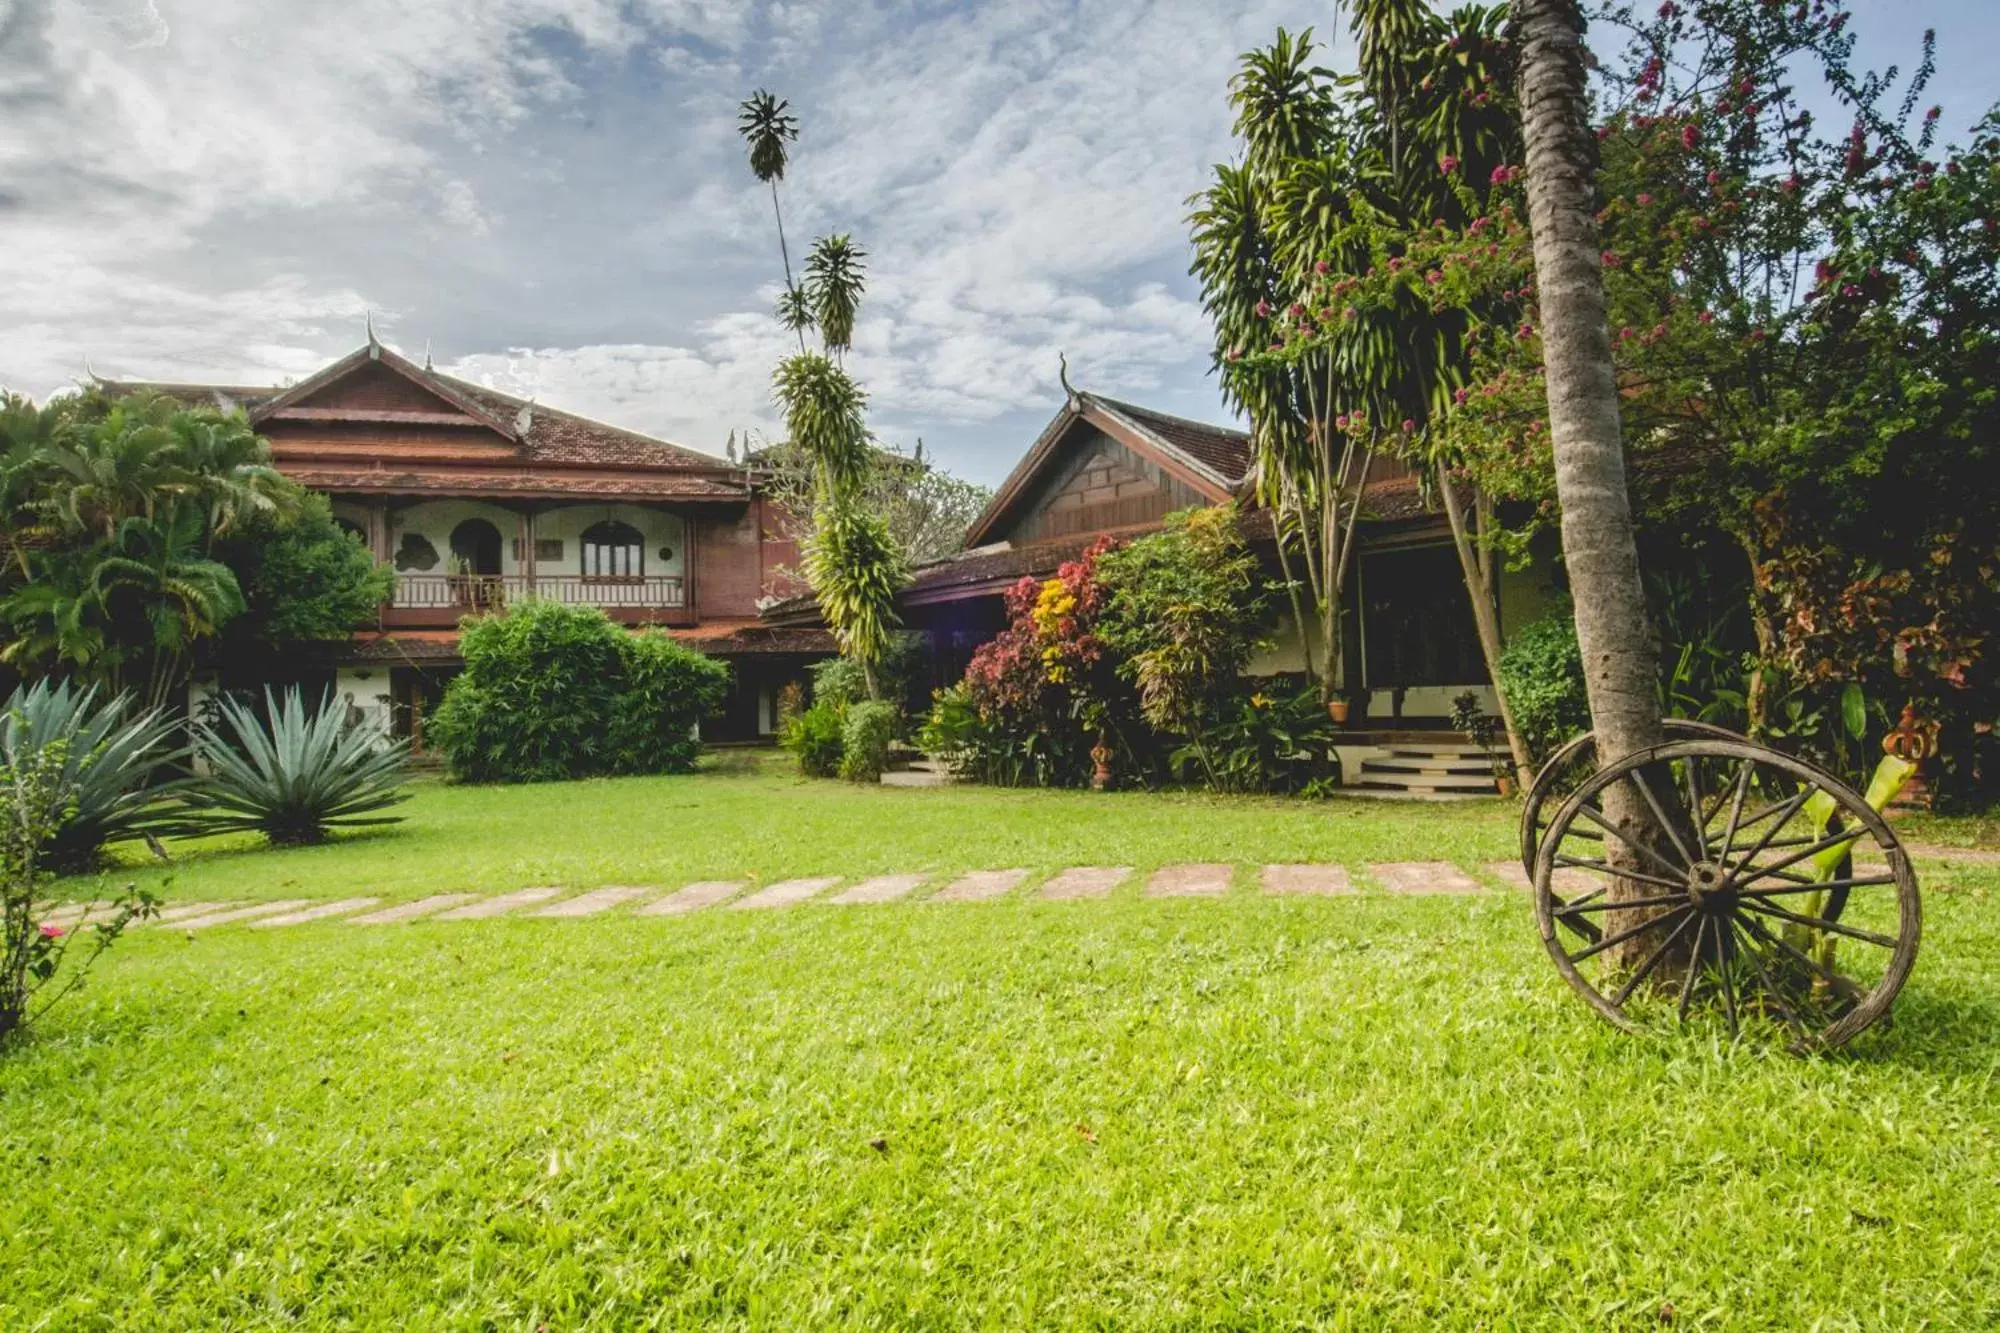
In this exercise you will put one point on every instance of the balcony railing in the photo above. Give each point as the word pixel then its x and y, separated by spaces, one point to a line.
pixel 468 593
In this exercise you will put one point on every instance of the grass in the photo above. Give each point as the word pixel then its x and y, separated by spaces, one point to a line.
pixel 749 816
pixel 1247 1113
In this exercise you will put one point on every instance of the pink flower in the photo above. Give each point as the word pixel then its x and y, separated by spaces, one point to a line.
pixel 1706 317
pixel 1319 267
pixel 1263 310
pixel 1348 313
pixel 1408 425
pixel 1433 277
pixel 1501 174
pixel 1690 136
pixel 1461 395
pixel 1447 164
pixel 1295 310
pixel 52 932
pixel 1644 198
pixel 1236 354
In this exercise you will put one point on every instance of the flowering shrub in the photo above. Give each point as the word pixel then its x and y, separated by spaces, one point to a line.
pixel 38 794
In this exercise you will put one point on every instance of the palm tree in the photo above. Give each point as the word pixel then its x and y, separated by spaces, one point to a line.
pixel 834 280
pixel 1620 660
pixel 767 125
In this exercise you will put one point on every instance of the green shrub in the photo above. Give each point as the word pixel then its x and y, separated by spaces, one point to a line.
pixel 864 740
pixel 815 737
pixel 669 688
pixel 297 776
pixel 1542 673
pixel 110 766
pixel 840 680
pixel 1273 740
pixel 552 691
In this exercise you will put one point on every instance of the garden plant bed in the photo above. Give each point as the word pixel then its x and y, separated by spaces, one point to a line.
pixel 1263 1108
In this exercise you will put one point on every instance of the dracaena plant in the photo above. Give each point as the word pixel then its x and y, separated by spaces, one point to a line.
pixel 297 776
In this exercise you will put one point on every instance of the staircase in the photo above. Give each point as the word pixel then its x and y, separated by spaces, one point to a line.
pixel 1426 771
pixel 914 768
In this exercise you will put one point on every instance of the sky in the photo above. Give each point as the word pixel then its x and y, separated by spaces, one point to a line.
pixel 549 196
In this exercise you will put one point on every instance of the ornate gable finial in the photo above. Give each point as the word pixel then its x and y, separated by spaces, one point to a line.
pixel 374 347
pixel 427 355
pixel 1062 373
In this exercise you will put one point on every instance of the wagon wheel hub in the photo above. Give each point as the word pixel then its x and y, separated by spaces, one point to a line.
pixel 1710 889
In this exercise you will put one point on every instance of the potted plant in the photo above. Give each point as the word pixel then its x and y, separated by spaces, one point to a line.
pixel 1481 728
pixel 1348 703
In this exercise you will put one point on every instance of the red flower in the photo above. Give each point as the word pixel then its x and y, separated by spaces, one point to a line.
pixel 1263 310
pixel 1319 267
pixel 52 932
pixel 1690 136
pixel 1447 164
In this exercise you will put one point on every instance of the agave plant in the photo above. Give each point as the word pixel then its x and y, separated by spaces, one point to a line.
pixel 110 766
pixel 300 775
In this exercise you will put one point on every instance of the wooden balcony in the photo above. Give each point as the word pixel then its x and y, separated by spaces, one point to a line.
pixel 445 599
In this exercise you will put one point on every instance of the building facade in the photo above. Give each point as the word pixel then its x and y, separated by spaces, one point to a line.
pixel 477 499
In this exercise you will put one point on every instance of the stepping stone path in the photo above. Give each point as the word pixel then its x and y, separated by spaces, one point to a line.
pixel 786 892
pixel 1313 879
pixel 339 907
pixel 980 885
pixel 1084 882
pixel 1189 880
pixel 241 913
pixel 501 905
pixel 597 900
pixel 1195 880
pixel 411 911
pixel 1424 877
pixel 694 897
pixel 881 889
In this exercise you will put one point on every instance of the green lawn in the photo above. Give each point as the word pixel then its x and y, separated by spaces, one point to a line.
pixel 1246 1113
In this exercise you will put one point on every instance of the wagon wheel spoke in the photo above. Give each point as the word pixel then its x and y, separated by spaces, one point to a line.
pixel 1615 904
pixel 1598 819
pixel 1803 885
pixel 1667 825
pixel 1811 849
pixel 1610 941
pixel 1723 940
pixel 1770 991
pixel 1652 960
pixel 1819 923
pixel 1842 986
pixel 1566 861
pixel 1735 810
pixel 1693 969
pixel 1791 808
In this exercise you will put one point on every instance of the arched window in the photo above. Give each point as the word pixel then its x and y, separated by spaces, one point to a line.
pixel 613 551
pixel 475 547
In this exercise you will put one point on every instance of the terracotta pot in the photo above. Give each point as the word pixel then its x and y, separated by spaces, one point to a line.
pixel 1100 777
pixel 1337 710
pixel 1505 784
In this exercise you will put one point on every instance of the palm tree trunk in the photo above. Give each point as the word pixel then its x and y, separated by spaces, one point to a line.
pixel 784 251
pixel 1619 656
pixel 1479 586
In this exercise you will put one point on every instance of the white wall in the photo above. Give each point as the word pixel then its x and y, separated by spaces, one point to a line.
pixel 660 530
pixel 366 690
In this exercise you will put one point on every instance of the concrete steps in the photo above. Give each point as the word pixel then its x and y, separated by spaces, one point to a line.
pixel 1430 771
pixel 914 769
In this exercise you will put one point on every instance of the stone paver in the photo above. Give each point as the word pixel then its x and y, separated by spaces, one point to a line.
pixel 390 916
pixel 70 914
pixel 980 885
pixel 1196 879
pixel 880 889
pixel 241 914
pixel 1085 882
pixel 1511 874
pixel 1307 879
pixel 597 900
pixel 786 892
pixel 339 907
pixel 694 897
pixel 501 904
pixel 1424 877
pixel 182 911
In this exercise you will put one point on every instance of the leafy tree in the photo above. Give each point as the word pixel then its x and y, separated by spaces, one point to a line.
pixel 928 509
pixel 303 578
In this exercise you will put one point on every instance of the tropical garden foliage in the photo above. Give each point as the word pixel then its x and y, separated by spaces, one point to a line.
pixel 1802 324
pixel 551 691
pixel 137 530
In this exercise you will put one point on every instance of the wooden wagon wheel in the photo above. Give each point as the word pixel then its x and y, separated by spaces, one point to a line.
pixel 1566 769
pixel 1728 903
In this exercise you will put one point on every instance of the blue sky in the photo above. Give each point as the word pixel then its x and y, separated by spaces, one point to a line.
pixel 550 194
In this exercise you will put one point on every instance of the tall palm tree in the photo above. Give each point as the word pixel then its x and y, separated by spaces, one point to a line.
pixel 834 281
pixel 1620 659
pixel 769 128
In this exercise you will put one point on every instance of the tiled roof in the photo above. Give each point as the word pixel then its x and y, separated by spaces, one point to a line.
pixel 1219 449
pixel 660 484
pixel 553 436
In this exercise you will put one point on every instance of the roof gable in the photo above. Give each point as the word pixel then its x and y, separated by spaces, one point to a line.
pixel 373 384
pixel 1192 462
